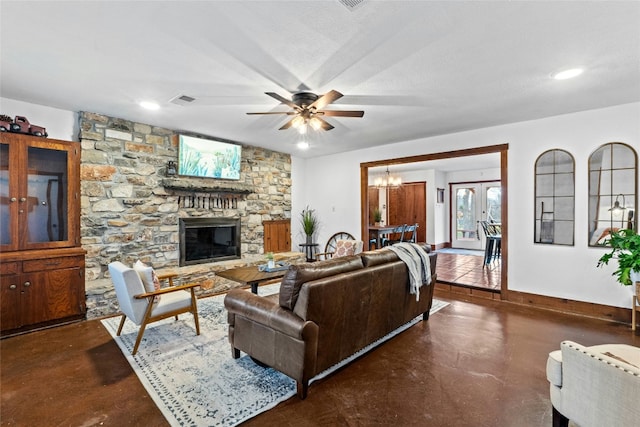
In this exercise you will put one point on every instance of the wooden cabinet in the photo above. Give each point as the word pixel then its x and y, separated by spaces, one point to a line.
pixel 41 291
pixel 407 205
pixel 374 202
pixel 277 235
pixel 41 261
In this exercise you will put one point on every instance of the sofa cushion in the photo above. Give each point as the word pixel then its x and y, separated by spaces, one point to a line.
pixel 149 278
pixel 297 275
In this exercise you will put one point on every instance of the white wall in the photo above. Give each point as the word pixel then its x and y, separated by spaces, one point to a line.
pixel 440 213
pixel 492 174
pixel 298 200
pixel 331 185
pixel 558 271
pixel 60 124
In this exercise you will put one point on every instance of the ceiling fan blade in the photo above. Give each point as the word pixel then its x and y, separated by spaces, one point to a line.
pixel 341 113
pixel 283 100
pixel 287 125
pixel 324 124
pixel 326 99
pixel 289 113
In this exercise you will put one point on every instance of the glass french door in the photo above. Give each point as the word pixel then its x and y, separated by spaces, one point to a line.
pixel 472 203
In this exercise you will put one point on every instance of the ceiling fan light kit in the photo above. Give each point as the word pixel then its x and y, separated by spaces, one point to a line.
pixel 308 109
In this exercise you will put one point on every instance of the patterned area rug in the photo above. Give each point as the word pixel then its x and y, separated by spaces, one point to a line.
pixel 195 381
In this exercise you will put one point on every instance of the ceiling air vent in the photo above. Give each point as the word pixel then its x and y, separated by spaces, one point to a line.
pixel 182 100
pixel 351 4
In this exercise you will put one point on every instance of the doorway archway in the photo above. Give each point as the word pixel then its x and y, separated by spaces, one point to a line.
pixel 502 149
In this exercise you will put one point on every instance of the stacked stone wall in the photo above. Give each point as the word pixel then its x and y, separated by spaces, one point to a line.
pixel 127 214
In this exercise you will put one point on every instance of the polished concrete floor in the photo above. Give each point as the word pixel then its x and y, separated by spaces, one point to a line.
pixel 474 363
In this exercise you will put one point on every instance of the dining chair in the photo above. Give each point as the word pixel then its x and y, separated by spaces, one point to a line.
pixel 410 233
pixel 493 244
pixel 386 241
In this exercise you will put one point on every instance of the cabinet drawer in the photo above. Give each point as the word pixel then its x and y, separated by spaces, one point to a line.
pixel 51 263
pixel 9 268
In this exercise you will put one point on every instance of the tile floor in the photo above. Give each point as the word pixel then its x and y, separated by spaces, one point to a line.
pixel 468 271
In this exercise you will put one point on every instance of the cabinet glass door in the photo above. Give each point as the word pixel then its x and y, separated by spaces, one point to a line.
pixel 39 193
pixel 8 205
pixel 46 205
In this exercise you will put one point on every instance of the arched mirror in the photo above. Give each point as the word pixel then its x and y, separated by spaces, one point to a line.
pixel 554 198
pixel 613 183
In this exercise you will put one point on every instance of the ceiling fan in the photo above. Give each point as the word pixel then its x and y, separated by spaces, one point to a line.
pixel 308 110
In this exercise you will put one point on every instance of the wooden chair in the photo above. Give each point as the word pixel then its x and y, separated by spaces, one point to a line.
pixel 333 245
pixel 410 233
pixel 143 307
pixel 396 231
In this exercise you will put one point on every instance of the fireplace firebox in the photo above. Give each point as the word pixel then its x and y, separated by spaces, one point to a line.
pixel 205 240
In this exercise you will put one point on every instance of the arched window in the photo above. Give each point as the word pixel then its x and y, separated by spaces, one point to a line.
pixel 613 183
pixel 554 198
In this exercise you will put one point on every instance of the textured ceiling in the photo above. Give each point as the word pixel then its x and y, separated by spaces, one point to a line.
pixel 417 68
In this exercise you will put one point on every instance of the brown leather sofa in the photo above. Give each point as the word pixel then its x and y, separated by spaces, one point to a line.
pixel 325 312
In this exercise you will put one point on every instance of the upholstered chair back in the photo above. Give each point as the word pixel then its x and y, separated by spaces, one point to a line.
pixel 127 283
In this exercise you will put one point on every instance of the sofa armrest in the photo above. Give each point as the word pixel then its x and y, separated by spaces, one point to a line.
pixel 264 311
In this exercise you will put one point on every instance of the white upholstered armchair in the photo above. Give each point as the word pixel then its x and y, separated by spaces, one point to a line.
pixel 595 386
pixel 143 304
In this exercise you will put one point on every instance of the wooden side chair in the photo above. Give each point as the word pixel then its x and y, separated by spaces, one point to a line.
pixel 144 303
pixel 340 244
pixel 398 231
pixel 410 233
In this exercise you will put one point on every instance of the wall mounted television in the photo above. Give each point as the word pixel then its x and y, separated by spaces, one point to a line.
pixel 208 158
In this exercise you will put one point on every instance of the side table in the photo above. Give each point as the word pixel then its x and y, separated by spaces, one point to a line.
pixel 310 250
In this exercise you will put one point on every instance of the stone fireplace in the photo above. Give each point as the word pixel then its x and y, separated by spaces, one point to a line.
pixel 205 240
pixel 130 209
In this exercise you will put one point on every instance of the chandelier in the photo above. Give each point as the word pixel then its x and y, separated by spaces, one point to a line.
pixel 387 180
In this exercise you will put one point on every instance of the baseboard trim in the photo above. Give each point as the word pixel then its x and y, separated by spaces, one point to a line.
pixel 598 311
pixel 440 246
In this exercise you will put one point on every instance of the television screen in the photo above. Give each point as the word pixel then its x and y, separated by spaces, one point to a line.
pixel 207 158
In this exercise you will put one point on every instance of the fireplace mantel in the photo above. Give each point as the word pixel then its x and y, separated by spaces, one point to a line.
pixel 205 186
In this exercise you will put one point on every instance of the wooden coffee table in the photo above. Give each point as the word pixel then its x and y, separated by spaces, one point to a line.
pixel 250 276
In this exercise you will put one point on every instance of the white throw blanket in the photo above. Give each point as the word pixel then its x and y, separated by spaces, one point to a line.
pixel 418 264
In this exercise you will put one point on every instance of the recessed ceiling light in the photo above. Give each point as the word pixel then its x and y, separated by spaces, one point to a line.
pixel 303 145
pixel 567 74
pixel 149 105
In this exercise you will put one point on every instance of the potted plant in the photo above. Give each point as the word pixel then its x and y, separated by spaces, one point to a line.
pixel 270 261
pixel 625 247
pixel 309 222
pixel 377 216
